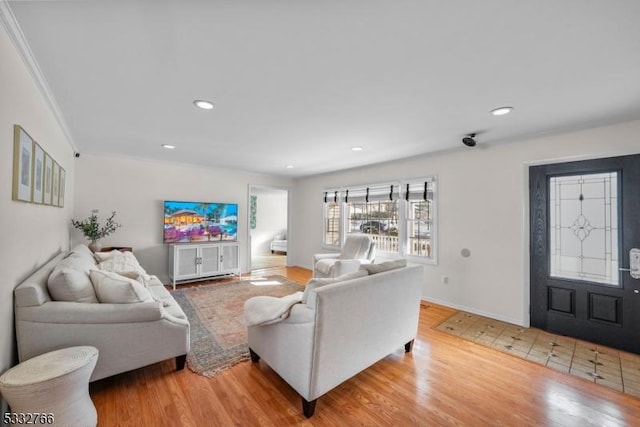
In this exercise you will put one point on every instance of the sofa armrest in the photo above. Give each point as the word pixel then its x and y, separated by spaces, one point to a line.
pixel 318 257
pixel 345 266
pixel 91 313
pixel 300 313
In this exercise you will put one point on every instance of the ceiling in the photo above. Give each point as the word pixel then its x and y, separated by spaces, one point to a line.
pixel 301 82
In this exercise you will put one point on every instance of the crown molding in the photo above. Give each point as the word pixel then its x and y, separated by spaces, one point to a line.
pixel 13 30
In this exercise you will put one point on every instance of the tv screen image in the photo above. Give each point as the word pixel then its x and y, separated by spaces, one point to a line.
pixel 200 222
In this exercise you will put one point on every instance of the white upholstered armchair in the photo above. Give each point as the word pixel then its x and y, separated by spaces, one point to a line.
pixel 358 249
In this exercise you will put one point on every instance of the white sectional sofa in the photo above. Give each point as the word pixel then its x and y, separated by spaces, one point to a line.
pixel 340 328
pixel 58 306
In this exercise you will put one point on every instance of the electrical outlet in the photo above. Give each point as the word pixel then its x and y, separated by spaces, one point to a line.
pixel 445 279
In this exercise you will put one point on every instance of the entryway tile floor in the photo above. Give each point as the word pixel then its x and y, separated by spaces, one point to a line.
pixel 603 365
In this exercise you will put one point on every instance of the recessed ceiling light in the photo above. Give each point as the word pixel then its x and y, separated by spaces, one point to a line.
pixel 168 146
pixel 289 166
pixel 501 111
pixel 357 148
pixel 205 105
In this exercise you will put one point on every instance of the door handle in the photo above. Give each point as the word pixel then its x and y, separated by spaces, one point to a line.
pixel 634 263
pixel 634 272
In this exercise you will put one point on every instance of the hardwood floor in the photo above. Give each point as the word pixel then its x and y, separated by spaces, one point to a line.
pixel 445 381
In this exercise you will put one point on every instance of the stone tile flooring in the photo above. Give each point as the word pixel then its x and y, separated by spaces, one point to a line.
pixel 603 365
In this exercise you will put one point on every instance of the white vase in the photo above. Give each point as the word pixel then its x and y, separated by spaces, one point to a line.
pixel 95 246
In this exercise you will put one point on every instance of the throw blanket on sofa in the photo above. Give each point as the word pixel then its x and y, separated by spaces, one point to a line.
pixel 264 310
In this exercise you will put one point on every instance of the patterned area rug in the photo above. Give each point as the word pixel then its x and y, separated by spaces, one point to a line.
pixel 603 365
pixel 215 311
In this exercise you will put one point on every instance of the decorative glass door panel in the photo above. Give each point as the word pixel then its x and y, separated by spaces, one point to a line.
pixel 583 227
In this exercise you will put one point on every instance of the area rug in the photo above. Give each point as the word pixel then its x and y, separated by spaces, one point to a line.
pixel 215 312
pixel 609 367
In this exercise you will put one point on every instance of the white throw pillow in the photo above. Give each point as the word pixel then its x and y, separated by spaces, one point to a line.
pixel 69 284
pixel 319 282
pixel 122 262
pixel 82 250
pixel 116 289
pixel 103 256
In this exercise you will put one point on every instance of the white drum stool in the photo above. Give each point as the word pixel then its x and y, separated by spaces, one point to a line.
pixel 54 387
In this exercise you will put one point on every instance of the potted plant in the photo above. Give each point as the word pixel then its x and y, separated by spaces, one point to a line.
pixel 93 231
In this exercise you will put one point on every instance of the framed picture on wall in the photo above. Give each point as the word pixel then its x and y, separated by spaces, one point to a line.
pixel 55 186
pixel 61 196
pixel 253 212
pixel 48 177
pixel 37 193
pixel 22 164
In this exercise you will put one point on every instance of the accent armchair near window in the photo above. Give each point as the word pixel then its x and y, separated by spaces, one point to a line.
pixel 358 249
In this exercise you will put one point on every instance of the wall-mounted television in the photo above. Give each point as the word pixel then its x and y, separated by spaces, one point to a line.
pixel 186 222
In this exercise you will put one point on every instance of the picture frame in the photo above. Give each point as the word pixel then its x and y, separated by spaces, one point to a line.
pixel 55 184
pixel 37 190
pixel 23 146
pixel 48 178
pixel 63 174
pixel 253 212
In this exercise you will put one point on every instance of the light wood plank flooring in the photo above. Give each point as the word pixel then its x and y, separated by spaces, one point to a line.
pixel 445 381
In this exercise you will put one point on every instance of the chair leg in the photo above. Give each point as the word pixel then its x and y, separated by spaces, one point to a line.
pixel 308 408
pixel 254 356
pixel 180 361
pixel 408 347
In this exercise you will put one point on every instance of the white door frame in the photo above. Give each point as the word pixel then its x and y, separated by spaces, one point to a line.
pixel 252 187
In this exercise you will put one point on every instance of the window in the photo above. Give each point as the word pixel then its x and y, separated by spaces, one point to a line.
pixel 583 227
pixel 419 197
pixel 399 216
pixel 331 231
pixel 374 210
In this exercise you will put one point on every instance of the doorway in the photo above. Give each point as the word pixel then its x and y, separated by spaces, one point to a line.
pixel 268 227
pixel 585 224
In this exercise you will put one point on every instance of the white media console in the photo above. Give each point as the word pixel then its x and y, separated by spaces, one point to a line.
pixel 199 261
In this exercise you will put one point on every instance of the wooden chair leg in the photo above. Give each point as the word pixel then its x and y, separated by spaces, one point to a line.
pixel 408 347
pixel 180 361
pixel 254 356
pixel 308 408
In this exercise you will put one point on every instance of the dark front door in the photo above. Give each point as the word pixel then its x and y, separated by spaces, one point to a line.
pixel 585 224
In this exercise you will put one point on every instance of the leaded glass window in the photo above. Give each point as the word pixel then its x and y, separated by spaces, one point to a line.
pixel 583 227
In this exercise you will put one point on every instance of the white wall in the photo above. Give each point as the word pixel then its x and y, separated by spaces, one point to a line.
pixel 482 206
pixel 136 189
pixel 271 219
pixel 31 234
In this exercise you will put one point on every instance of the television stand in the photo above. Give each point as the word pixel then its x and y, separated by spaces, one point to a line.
pixel 189 262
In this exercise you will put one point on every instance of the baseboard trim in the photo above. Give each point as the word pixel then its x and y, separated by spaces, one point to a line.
pixel 472 310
